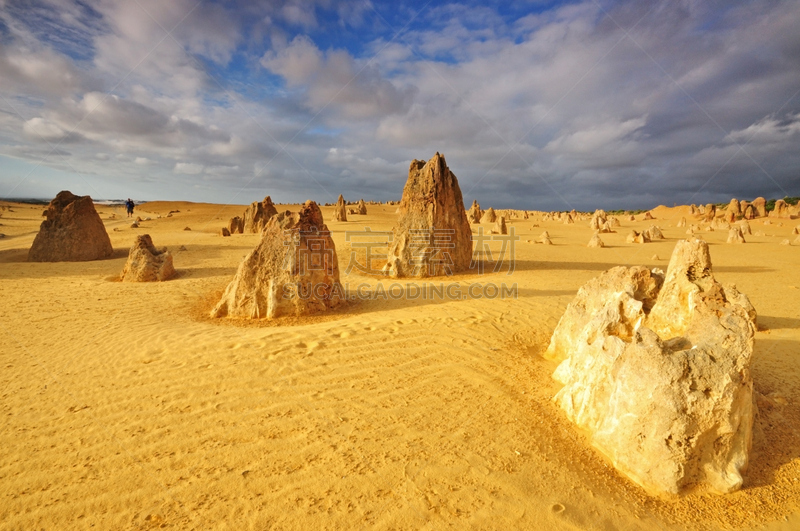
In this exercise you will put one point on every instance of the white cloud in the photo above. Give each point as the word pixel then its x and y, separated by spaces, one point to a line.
pixel 188 168
pixel 335 80
pixel 39 129
pixel 769 130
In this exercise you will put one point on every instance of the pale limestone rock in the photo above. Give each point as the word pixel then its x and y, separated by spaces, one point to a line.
pixel 257 215
pixel 682 222
pixel 489 216
pixel 598 219
pixel 759 205
pixel 604 228
pixel 735 208
pixel 595 241
pixel 657 371
pixel 432 236
pixel 719 224
pixel 640 284
pixel 500 226
pixel 781 210
pixel 293 270
pixel 475 213
pixel 735 235
pixel 636 237
pixel 745 227
pixel 146 263
pixel 340 210
pixel 236 225
pixel 654 233
pixel 72 232
pixel 709 212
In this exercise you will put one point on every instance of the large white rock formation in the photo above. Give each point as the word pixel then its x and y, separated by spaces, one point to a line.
pixel 657 369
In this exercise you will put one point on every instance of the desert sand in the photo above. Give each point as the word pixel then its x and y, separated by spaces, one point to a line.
pixel 125 406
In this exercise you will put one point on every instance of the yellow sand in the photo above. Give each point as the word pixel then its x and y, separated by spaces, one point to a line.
pixel 124 406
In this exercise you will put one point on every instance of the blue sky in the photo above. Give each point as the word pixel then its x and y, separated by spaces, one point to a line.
pixel 546 105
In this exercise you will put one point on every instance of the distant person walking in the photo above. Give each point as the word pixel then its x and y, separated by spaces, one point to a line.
pixel 129 207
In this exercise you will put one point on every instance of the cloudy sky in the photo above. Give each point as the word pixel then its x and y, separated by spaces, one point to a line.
pixel 535 104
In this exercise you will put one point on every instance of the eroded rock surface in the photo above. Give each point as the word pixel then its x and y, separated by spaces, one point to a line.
pixel 475 213
pixel 432 236
pixel 71 232
pixel 657 368
pixel 293 270
pixel 146 263
pixel 257 216
pixel 340 209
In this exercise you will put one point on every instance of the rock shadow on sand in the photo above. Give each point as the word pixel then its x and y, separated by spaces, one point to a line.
pixel 777 423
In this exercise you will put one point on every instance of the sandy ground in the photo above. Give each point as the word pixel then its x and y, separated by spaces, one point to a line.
pixel 122 406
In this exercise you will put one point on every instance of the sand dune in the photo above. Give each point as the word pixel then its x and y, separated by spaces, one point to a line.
pixel 126 406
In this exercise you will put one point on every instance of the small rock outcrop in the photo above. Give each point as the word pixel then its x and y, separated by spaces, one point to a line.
pixel 735 235
pixel 361 208
pixel 489 216
pixel 657 369
pixel 236 225
pixel 146 263
pixel 71 232
pixel 293 270
pixel 340 210
pixel 735 208
pixel 745 226
pixel 781 210
pixel 598 219
pixel 257 216
pixel 432 235
pixel 654 233
pixel 759 205
pixel 710 212
pixel 595 241
pixel 224 231
pixel 500 226
pixel 475 213
pixel 636 237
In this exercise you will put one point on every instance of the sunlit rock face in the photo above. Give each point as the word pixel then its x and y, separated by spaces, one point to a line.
pixel 657 368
